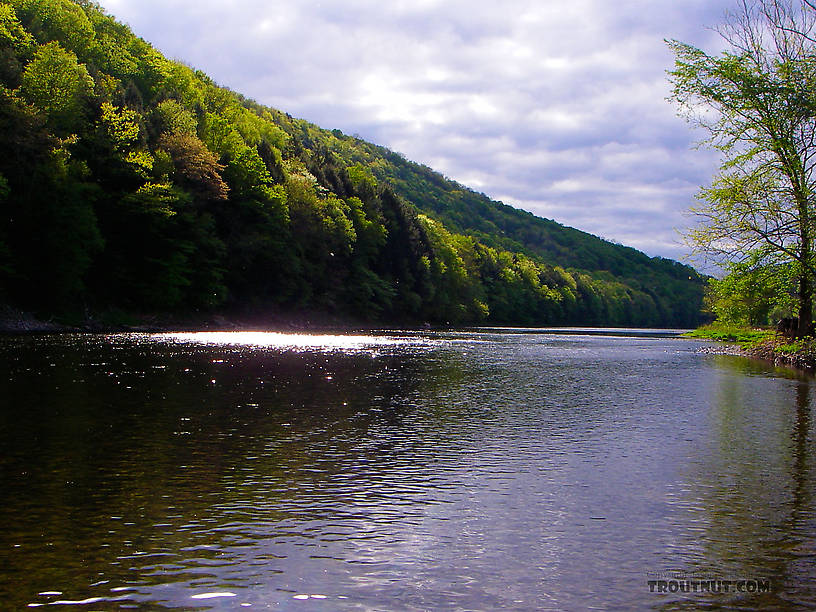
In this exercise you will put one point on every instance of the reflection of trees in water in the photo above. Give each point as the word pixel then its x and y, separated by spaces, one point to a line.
pixel 799 531
pixel 750 495
pixel 757 367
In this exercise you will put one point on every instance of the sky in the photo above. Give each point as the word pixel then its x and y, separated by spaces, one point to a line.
pixel 556 107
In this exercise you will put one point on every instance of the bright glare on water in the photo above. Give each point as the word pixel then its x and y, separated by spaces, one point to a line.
pixel 471 470
pixel 283 341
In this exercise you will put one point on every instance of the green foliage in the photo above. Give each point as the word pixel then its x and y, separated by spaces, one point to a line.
pixel 220 135
pixel 249 178
pixel 114 49
pixel 754 292
pixel 12 32
pixel 58 85
pixel 57 20
pixel 455 295
pixel 754 100
pixel 171 117
pixel 790 347
pixel 131 182
pixel 121 128
pixel 673 290
pixel 361 178
pixel 744 336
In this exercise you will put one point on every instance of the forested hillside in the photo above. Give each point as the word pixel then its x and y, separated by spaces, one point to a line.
pixel 129 181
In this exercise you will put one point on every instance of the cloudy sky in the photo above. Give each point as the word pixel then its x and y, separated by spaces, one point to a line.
pixel 555 106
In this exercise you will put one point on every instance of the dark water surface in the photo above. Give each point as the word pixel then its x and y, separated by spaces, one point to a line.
pixel 472 471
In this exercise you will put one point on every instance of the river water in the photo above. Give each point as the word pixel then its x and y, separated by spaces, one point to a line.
pixel 525 470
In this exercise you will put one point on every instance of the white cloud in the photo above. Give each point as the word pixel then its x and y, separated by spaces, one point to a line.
pixel 556 107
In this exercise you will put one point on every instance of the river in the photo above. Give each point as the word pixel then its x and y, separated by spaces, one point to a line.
pixel 473 470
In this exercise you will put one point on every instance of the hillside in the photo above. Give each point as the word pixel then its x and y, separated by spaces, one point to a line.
pixel 504 227
pixel 131 182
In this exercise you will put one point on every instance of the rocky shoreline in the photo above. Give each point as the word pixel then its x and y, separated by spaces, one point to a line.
pixel 17 321
pixel 777 350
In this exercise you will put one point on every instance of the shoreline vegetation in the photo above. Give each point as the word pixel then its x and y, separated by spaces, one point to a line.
pixel 16 321
pixel 763 344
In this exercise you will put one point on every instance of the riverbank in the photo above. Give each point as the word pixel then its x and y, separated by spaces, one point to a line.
pixel 15 321
pixel 764 344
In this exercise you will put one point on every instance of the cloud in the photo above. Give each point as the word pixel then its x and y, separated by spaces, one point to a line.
pixel 558 108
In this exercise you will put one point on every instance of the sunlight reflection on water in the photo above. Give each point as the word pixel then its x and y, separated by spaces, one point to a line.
pixel 287 341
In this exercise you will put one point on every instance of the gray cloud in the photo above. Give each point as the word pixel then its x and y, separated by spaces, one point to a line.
pixel 555 107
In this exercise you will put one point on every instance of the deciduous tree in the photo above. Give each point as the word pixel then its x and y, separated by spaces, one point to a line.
pixel 757 101
pixel 58 85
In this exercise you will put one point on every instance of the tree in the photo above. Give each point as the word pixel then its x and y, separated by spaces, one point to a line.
pixel 757 101
pixel 56 20
pixel 120 128
pixel 12 33
pixel 754 292
pixel 58 85
pixel 196 167
pixel 170 116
